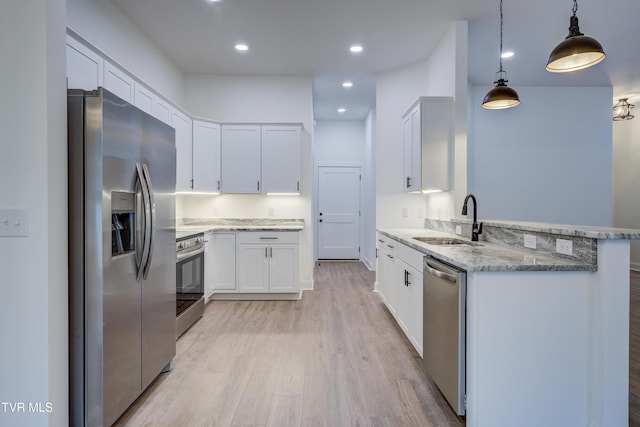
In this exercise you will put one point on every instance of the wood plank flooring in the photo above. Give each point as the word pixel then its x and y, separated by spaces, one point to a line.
pixel 334 358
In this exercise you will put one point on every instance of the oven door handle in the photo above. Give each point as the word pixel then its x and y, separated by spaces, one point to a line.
pixel 182 255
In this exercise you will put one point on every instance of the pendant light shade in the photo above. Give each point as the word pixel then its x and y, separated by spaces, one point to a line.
pixel 577 51
pixel 622 110
pixel 501 96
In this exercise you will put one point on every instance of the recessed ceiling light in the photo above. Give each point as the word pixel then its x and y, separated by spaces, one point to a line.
pixel 356 48
pixel 507 54
pixel 242 47
pixel 342 110
pixel 347 84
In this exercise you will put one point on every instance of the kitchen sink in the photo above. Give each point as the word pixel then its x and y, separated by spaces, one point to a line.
pixel 445 241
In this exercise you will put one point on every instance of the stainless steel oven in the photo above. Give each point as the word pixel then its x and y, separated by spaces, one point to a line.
pixel 189 281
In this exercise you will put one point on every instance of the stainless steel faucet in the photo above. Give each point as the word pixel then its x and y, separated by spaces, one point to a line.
pixel 476 229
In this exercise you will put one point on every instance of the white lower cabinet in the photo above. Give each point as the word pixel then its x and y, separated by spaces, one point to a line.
pixel 399 278
pixel 268 262
pixel 220 263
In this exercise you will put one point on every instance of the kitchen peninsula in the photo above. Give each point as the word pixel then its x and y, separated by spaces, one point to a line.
pixel 547 334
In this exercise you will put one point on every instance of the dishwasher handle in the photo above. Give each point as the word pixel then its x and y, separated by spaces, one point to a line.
pixel 433 270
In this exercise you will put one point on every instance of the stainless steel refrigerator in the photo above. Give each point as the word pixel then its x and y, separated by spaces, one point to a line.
pixel 122 261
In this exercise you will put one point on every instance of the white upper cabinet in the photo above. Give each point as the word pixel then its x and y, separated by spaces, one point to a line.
pixel 84 66
pixel 118 82
pixel 162 110
pixel 412 165
pixel 281 158
pixel 184 154
pixel 206 156
pixel 428 136
pixel 240 159
pixel 143 98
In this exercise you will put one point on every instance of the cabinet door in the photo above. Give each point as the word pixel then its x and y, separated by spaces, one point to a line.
pixel 283 268
pixel 162 110
pixel 143 98
pixel 253 268
pixel 209 264
pixel 206 156
pixel 412 151
pixel 223 267
pixel 118 82
pixel 403 296
pixel 416 290
pixel 84 66
pixel 240 159
pixel 184 155
pixel 280 159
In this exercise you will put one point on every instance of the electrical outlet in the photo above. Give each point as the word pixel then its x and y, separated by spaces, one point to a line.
pixel 271 212
pixel 458 229
pixel 564 247
pixel 405 212
pixel 529 241
pixel 214 212
pixel 13 223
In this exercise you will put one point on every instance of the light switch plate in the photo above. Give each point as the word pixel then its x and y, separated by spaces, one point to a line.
pixel 405 212
pixel 13 223
pixel 458 229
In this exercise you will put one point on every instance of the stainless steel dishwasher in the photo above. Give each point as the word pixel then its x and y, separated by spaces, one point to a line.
pixel 444 330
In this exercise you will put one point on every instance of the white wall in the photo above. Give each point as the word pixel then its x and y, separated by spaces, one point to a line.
pixel 33 269
pixel 369 213
pixel 339 141
pixel 441 74
pixel 547 160
pixel 626 176
pixel 258 99
pixel 105 27
pixel 343 142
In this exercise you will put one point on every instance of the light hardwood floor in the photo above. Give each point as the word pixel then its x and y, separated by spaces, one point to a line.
pixel 335 358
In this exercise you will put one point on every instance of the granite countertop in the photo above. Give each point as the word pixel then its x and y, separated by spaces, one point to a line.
pixel 195 226
pixel 485 256
pixel 592 232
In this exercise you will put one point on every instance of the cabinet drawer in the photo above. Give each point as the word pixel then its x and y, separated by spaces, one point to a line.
pixel 268 237
pixel 388 245
pixel 411 256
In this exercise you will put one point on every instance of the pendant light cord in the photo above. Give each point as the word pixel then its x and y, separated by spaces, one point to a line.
pixel 501 71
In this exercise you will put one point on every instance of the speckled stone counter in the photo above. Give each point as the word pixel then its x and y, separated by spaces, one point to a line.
pixel 501 246
pixel 239 224
pixel 485 256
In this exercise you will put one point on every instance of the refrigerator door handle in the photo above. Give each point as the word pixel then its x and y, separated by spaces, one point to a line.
pixel 147 223
pixel 152 209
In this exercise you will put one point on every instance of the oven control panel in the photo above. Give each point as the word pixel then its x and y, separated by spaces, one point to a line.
pixel 190 241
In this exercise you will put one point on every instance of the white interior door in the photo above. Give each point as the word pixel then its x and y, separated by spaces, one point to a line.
pixel 338 212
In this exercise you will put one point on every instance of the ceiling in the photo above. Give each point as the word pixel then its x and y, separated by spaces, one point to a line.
pixel 312 37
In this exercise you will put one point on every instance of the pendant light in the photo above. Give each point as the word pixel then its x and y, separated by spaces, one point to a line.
pixel 577 51
pixel 622 110
pixel 501 96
